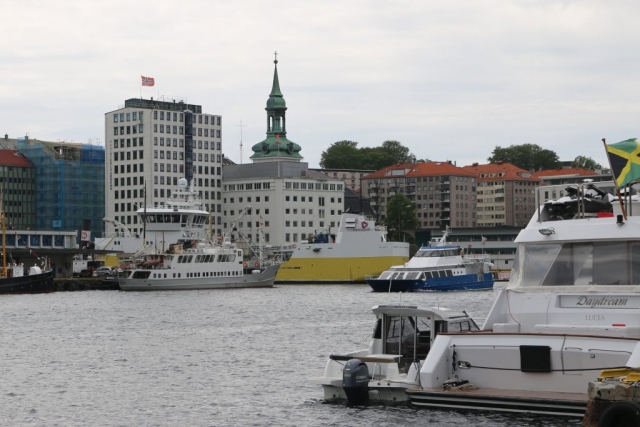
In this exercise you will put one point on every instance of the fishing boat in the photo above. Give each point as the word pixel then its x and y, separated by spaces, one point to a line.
pixel 198 264
pixel 441 267
pixel 12 278
pixel 180 217
pixel 401 339
pixel 356 249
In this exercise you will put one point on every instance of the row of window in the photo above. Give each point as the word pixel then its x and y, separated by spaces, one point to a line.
pixel 120 117
pixel 130 155
pixel 129 169
pixel 180 142
pixel 179 155
pixel 250 186
pixel 121 143
pixel 295 185
pixel 128 130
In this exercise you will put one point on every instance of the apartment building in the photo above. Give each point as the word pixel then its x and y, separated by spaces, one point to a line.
pixel 505 194
pixel 18 190
pixel 444 194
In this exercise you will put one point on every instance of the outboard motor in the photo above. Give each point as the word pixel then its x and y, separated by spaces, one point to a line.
pixel 355 382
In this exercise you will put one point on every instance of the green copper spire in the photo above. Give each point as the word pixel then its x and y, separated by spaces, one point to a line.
pixel 276 145
pixel 275 97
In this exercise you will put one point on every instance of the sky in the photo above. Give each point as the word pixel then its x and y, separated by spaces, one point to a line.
pixel 450 80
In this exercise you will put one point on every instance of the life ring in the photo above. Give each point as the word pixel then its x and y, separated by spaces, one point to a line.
pixel 244 264
pixel 619 412
pixel 257 264
pixel 295 246
pixel 364 224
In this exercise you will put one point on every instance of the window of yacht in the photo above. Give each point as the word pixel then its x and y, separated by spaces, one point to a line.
pixel 581 264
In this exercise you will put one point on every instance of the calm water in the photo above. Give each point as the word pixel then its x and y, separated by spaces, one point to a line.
pixel 200 358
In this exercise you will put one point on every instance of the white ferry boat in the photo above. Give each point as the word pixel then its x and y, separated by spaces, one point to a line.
pixel 180 217
pixel 198 264
pixel 358 248
pixel 571 310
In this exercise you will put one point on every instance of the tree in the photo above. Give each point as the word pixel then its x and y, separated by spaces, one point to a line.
pixel 530 157
pixel 347 155
pixel 341 155
pixel 397 152
pixel 401 215
pixel 585 163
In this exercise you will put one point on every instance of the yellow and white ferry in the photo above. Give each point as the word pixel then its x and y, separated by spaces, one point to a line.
pixel 357 249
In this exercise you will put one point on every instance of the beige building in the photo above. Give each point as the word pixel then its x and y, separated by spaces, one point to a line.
pixel 505 194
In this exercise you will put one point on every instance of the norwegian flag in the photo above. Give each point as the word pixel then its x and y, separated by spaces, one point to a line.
pixel 148 81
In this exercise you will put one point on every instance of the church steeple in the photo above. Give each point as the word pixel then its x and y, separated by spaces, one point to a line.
pixel 276 145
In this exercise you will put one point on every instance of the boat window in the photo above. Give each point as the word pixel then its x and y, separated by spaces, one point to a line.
pixel 581 264
pixel 449 273
pixel 151 218
pixel 175 219
pixel 463 326
pixel 386 275
pixel 159 218
pixel 413 275
pixel 377 330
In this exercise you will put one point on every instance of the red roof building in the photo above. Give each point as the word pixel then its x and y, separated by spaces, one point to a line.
pixel 17 183
pixel 444 194
pixel 506 194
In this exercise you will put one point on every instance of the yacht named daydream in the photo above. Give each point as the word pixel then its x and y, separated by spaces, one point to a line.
pixel 571 310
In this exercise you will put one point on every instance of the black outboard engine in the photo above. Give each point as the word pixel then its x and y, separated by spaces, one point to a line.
pixel 355 382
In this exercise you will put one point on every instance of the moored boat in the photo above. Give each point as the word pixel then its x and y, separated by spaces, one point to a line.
pixel 571 310
pixel 435 268
pixel 197 264
pixel 12 277
pixel 356 249
pixel 402 337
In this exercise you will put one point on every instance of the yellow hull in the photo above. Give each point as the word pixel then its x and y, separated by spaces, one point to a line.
pixel 338 270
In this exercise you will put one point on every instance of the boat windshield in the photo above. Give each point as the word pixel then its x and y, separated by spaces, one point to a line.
pixel 581 264
pixel 431 253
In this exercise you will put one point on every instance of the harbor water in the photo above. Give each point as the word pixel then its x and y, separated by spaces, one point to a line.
pixel 202 358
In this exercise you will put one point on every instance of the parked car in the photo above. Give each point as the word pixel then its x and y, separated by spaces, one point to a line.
pixel 104 271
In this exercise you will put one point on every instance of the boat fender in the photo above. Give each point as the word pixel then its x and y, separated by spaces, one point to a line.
pixel 355 382
pixel 364 224
pixel 621 414
pixel 244 264
pixel 257 264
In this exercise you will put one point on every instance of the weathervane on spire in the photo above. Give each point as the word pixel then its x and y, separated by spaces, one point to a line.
pixel 276 55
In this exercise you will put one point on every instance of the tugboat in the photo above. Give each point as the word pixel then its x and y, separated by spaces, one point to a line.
pixel 12 277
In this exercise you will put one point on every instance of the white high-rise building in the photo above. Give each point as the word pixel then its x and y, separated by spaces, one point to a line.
pixel 289 202
pixel 157 142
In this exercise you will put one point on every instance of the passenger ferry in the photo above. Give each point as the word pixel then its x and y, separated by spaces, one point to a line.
pixel 435 268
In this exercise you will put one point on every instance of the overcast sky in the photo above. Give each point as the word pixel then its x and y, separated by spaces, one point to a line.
pixel 450 80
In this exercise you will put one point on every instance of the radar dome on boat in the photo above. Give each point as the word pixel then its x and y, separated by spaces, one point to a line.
pixel 182 182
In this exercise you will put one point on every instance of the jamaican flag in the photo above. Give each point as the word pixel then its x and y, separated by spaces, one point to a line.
pixel 624 158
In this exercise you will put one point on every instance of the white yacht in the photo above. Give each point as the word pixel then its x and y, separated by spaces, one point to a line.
pixel 180 217
pixel 571 310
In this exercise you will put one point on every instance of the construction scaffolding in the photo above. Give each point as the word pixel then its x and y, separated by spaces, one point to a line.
pixel 69 184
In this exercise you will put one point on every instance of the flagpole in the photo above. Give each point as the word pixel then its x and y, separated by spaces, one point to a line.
pixel 615 182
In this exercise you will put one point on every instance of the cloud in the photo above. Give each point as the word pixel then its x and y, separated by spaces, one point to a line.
pixel 449 80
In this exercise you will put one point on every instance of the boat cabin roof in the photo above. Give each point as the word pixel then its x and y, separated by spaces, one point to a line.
pixel 414 310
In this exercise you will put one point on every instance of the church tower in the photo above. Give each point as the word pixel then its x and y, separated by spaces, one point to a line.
pixel 276 146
